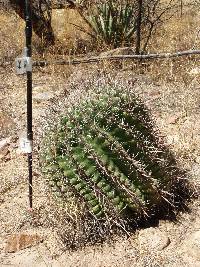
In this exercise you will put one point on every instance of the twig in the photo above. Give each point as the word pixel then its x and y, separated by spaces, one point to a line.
pixel 116 57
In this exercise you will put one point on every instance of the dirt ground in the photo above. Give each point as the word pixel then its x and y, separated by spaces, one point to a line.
pixel 176 108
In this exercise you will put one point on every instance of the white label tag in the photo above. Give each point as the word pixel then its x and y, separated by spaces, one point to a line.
pixel 23 64
pixel 26 145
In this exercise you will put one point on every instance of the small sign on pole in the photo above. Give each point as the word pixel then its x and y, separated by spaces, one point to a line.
pixel 23 64
pixel 25 145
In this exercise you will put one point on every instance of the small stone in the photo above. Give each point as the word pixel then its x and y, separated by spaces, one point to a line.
pixel 39 112
pixel 5 154
pixel 7 157
pixel 173 119
pixel 153 239
pixel 4 142
pixel 40 97
pixel 38 88
pixel 191 245
pixel 21 241
pixel 5 149
pixel 194 71
pixel 197 160
pixel 36 174
pixel 173 139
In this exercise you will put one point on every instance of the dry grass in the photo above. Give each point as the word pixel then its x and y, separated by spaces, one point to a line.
pixel 181 32
pixel 12 36
pixel 72 40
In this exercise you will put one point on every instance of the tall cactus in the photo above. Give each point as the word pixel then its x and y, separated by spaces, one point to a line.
pixel 107 151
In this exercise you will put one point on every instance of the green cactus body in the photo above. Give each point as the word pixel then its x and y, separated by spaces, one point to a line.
pixel 107 151
pixel 95 176
pixel 80 185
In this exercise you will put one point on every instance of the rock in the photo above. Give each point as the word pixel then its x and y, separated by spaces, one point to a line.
pixel 195 71
pixel 153 239
pixel 4 154
pixel 173 119
pixel 39 112
pixel 197 160
pixel 40 97
pixel 173 139
pixel 38 88
pixel 36 174
pixel 5 149
pixel 4 142
pixel 6 157
pixel 7 124
pixel 191 245
pixel 21 241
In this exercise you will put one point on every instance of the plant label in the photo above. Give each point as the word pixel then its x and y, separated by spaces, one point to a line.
pixel 23 64
pixel 26 145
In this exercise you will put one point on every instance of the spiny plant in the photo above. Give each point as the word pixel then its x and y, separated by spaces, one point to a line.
pixel 113 23
pixel 106 153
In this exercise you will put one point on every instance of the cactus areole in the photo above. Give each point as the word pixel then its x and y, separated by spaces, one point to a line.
pixel 107 152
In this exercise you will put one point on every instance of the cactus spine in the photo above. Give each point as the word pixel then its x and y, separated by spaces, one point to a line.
pixel 108 152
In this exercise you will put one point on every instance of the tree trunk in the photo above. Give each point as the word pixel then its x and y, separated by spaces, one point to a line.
pixel 41 18
pixel 138 29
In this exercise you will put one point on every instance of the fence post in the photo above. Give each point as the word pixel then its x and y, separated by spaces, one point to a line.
pixel 28 54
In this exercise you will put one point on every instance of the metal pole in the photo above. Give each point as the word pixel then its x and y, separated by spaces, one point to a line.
pixel 28 53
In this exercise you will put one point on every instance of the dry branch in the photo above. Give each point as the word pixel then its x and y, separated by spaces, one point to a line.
pixel 116 57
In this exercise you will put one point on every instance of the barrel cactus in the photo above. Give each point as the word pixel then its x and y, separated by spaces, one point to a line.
pixel 107 152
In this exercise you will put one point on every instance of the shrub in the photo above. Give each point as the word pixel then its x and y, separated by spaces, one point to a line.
pixel 107 155
pixel 114 23
pixel 117 23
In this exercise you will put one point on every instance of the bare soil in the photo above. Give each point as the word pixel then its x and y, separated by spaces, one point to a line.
pixel 176 108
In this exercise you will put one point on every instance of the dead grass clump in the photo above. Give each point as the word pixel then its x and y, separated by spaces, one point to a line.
pixel 182 70
pixel 70 30
pixel 12 36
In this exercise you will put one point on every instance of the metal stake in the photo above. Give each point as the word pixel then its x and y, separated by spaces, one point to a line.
pixel 28 54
